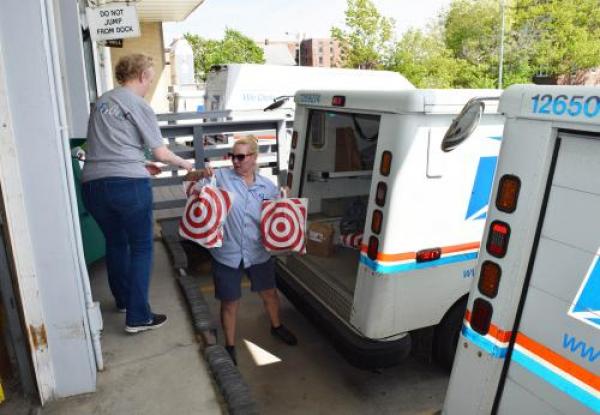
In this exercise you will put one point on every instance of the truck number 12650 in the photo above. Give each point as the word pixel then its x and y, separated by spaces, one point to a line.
pixel 566 105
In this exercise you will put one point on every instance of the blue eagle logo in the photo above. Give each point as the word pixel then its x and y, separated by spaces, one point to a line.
pixel 482 187
pixel 586 306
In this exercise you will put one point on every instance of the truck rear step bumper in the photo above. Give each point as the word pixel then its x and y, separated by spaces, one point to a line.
pixel 359 351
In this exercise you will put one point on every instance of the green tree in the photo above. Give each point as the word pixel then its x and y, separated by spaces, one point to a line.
pixel 423 58
pixel 233 48
pixel 367 42
pixel 550 37
pixel 471 31
pixel 563 36
pixel 461 49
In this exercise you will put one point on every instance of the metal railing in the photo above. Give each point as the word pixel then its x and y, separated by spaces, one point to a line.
pixel 196 136
pixel 173 117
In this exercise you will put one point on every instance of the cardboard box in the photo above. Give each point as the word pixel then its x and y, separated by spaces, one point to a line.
pixel 319 239
pixel 347 156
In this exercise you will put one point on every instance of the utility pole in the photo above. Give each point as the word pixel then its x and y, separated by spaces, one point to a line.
pixel 501 57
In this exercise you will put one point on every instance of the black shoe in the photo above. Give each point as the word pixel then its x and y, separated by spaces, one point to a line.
pixel 231 352
pixel 283 334
pixel 157 321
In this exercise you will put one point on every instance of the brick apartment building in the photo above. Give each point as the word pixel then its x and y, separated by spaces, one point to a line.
pixel 587 77
pixel 320 52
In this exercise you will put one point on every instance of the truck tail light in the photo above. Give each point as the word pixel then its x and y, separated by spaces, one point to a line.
pixel 291 161
pixel 380 194
pixel 497 242
pixel 376 221
pixel 290 179
pixel 338 101
pixel 373 247
pixel 386 163
pixel 489 279
pixel 508 193
pixel 427 255
pixel 481 317
pixel 294 139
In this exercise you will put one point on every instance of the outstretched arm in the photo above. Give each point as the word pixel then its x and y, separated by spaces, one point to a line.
pixel 163 154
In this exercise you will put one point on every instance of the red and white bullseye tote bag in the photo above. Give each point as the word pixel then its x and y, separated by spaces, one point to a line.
pixel 283 225
pixel 351 240
pixel 205 211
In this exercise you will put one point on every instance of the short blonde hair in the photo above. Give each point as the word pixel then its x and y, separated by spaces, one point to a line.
pixel 250 140
pixel 132 66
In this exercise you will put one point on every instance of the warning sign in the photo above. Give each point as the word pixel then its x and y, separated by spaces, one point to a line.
pixel 113 22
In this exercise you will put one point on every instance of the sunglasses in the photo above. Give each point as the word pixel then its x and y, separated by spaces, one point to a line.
pixel 239 157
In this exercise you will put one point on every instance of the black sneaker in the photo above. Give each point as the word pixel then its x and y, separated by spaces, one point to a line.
pixel 231 352
pixel 283 334
pixel 157 321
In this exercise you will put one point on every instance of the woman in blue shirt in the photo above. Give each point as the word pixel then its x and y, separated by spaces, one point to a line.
pixel 242 250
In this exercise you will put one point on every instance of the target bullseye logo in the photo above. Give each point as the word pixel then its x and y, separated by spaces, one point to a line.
pixel 351 240
pixel 283 224
pixel 280 227
pixel 204 215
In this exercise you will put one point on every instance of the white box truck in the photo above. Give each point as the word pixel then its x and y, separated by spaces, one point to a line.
pixel 244 88
pixel 371 162
pixel 530 343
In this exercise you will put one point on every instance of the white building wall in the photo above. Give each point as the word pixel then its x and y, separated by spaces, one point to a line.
pixel 40 157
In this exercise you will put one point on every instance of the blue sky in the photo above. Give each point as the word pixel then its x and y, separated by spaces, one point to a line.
pixel 271 19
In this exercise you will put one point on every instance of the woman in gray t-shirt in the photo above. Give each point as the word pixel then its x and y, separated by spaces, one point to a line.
pixel 117 189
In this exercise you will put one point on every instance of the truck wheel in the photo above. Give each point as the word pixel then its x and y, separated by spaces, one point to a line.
pixel 447 333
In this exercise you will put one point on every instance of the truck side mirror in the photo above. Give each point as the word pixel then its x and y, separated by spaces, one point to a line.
pixel 463 125
pixel 278 102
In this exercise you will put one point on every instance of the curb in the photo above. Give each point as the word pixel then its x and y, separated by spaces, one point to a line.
pixel 231 384
pixel 203 321
pixel 230 381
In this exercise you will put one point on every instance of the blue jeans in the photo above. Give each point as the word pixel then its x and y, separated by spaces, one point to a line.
pixel 123 209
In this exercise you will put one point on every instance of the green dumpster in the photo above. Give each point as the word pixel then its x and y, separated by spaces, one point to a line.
pixel 91 235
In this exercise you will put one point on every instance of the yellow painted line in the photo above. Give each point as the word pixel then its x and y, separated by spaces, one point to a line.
pixel 207 289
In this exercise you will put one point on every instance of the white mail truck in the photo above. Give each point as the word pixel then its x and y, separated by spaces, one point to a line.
pixel 247 89
pixel 372 163
pixel 530 343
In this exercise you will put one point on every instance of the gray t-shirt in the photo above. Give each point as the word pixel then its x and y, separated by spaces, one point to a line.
pixel 121 125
